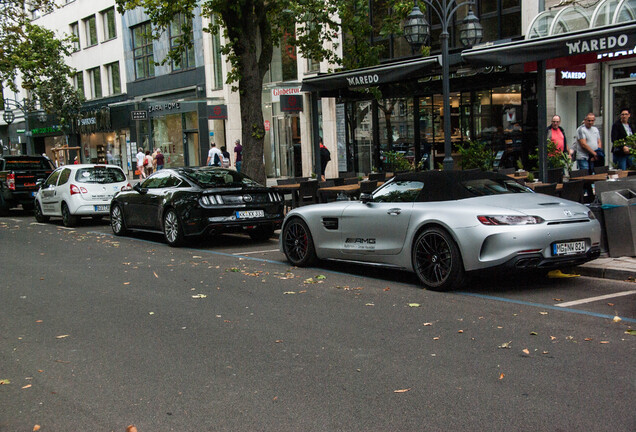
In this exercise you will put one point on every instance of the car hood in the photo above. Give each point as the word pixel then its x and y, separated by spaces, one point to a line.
pixel 547 207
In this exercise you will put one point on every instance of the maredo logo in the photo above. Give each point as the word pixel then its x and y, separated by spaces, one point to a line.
pixel 285 91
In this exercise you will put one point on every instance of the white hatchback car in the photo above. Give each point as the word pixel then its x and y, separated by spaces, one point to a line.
pixel 74 191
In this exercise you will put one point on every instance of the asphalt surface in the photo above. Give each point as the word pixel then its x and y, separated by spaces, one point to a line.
pixel 100 332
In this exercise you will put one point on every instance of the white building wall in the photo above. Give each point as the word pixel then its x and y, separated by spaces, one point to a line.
pixel 105 52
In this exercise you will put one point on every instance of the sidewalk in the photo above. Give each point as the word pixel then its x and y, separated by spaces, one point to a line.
pixel 622 268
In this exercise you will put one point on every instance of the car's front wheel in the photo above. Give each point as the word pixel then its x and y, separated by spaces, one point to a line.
pixel 39 216
pixel 172 229
pixel 437 261
pixel 298 244
pixel 117 222
pixel 68 219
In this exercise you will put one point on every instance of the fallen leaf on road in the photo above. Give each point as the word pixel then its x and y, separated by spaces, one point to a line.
pixel 61 336
pixel 617 319
pixel 26 386
pixel 414 305
pixel 552 337
pixel 321 277
pixel 369 304
pixel 604 342
pixel 36 428
pixel 533 333
pixel 526 351
pixel 505 345
pixel 4 381
pixel 460 331
pixel 199 296
pixel 436 338
pixel 610 304
pixel 428 324
pixel 387 289
pixel 401 391
pixel 557 299
pixel 279 341
pixel 587 339
pixel 631 332
pixel 289 292
pixel 543 313
pixel 501 376
pixel 154 273
pixel 126 283
pixel 131 428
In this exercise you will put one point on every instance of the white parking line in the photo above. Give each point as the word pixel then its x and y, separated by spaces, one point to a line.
pixel 593 299
pixel 255 252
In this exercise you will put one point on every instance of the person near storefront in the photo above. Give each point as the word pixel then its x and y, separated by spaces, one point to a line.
pixel 140 163
pixel 214 156
pixel 556 134
pixel 589 141
pixel 238 160
pixel 159 160
pixel 621 130
pixel 148 163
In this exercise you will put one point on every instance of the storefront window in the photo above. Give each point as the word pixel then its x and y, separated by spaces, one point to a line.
pixel 167 134
pixel 359 121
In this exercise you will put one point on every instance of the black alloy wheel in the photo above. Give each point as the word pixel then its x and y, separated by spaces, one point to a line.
pixel 68 220
pixel 298 244
pixel 437 261
pixel 172 228
pixel 39 216
pixel 117 222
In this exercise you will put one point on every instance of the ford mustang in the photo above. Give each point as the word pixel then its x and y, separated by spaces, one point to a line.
pixel 187 202
pixel 442 225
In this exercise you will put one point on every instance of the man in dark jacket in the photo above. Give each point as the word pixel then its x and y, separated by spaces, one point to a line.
pixel 556 134
pixel 621 130
pixel 325 156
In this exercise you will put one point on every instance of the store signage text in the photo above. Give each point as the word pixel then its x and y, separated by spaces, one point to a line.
pixel 609 42
pixel 363 80
pixel 45 130
pixel 94 121
pixel 573 75
pixel 139 115
pixel 166 107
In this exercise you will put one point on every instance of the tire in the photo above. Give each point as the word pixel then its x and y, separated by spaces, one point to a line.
pixel 68 220
pixel 262 233
pixel 298 244
pixel 117 222
pixel 437 261
pixel 37 212
pixel 172 229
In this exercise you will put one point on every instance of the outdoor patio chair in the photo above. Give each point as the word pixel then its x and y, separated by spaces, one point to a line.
pixel 546 189
pixel 573 190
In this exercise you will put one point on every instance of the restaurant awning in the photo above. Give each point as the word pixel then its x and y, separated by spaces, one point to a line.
pixel 371 76
pixel 604 42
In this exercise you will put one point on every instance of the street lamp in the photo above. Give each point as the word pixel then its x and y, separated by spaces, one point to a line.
pixel 471 33
pixel 9 116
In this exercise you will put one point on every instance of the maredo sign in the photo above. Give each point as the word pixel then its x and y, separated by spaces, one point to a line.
pixel 284 91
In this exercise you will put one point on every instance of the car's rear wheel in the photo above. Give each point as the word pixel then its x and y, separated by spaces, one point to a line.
pixel 298 244
pixel 67 218
pixel 172 228
pixel 261 233
pixel 39 216
pixel 117 222
pixel 437 261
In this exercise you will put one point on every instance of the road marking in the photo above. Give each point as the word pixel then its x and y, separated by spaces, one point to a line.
pixel 256 252
pixel 544 306
pixel 593 299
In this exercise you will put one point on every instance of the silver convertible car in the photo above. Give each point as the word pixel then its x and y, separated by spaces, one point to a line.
pixel 442 225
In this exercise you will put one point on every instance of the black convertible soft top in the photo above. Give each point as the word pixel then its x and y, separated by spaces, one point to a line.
pixel 452 185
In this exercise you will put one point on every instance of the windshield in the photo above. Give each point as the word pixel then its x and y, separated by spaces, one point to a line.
pixel 27 164
pixel 215 177
pixel 494 186
pixel 100 174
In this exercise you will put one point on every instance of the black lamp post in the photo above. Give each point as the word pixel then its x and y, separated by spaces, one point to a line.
pixel 470 33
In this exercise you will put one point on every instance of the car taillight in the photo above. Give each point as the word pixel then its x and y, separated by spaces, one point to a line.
pixel 78 190
pixel 127 187
pixel 11 181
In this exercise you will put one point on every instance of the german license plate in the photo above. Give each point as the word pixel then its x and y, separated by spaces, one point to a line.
pixel 101 208
pixel 568 248
pixel 249 214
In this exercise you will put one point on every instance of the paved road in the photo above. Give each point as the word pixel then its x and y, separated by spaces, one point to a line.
pixel 99 332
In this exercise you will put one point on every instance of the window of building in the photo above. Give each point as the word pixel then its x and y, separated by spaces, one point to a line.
pixel 95 78
pixel 75 32
pixel 110 29
pixel 114 80
pixel 78 82
pixel 90 27
pixel 217 61
pixel 500 19
pixel 143 51
pixel 177 28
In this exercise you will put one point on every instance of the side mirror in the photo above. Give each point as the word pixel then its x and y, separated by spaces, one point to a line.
pixel 139 189
pixel 39 183
pixel 366 197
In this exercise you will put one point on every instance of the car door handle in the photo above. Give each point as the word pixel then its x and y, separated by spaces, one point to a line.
pixel 394 211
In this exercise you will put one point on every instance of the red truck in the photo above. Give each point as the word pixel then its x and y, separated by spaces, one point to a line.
pixel 18 180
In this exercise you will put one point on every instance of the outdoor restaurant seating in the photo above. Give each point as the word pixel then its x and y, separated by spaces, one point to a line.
pixel 547 189
pixel 555 175
pixel 351 180
pixel 578 173
pixel 368 186
pixel 377 176
pixel 573 190
pixel 308 192
pixel 506 171
pixel 601 169
pixel 337 181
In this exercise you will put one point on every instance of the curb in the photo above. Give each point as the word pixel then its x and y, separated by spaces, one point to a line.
pixel 606 273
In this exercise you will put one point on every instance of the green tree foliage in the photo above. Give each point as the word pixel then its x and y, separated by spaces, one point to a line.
pixel 37 57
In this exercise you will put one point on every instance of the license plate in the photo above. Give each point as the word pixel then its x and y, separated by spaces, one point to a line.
pixel 248 214
pixel 568 248
pixel 101 208
pixel 33 194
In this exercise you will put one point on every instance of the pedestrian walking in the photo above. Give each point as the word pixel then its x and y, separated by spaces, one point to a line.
pixel 225 162
pixel 140 163
pixel 148 163
pixel 325 157
pixel 159 159
pixel 214 155
pixel 238 160
pixel 621 130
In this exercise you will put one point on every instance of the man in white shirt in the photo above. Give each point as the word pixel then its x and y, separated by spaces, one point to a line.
pixel 212 160
pixel 140 163
pixel 589 140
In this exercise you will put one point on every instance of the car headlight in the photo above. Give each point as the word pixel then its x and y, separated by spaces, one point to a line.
pixel 510 220
pixel 591 215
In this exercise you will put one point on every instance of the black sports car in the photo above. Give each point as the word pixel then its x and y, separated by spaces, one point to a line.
pixel 186 202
